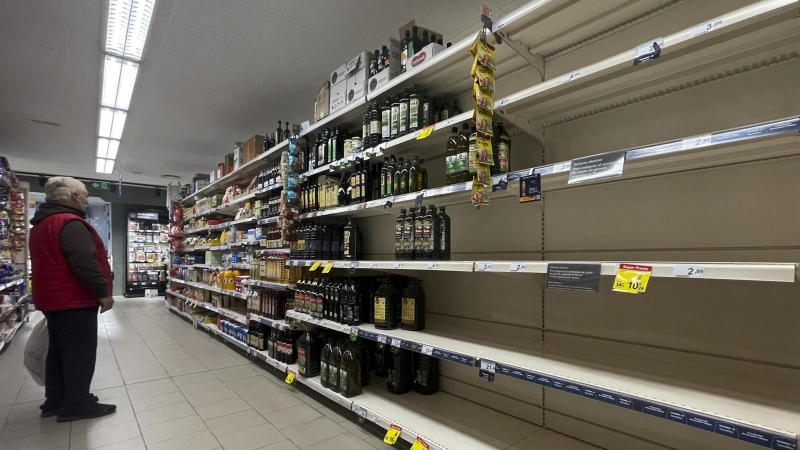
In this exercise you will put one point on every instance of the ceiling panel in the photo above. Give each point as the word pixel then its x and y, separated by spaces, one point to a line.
pixel 203 47
pixel 217 16
pixel 182 70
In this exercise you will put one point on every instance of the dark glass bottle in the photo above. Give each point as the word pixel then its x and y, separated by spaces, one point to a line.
pixel 403 125
pixel 286 132
pixel 404 178
pixel 408 235
pixel 383 57
pixel 430 235
pixel 394 122
pixel 419 225
pixel 504 149
pixel 444 240
pixel 404 55
pixel 384 169
pixel 414 116
pixel 426 110
pixel 386 120
pixel 426 374
pixel 399 379
pixel 350 373
pixel 382 360
pixel 412 313
pixel 365 125
pixel 415 45
pixel 413 175
pixel 451 157
pixel 322 151
pixel 462 163
pixel 277 135
pixel 390 173
pixel 422 175
pixel 399 225
pixel 456 110
pixel 386 301
pixel 352 244
pixel 375 126
pixel 374 66
pixel 425 39
pixel 308 353
pixel 398 168
pixel 446 112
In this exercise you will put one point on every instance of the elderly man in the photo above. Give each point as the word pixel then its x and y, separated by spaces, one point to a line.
pixel 71 278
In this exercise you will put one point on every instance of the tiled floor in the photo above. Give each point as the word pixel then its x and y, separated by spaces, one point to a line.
pixel 175 388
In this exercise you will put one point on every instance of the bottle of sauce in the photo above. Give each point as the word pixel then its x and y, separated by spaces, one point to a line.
pixel 385 303
pixel 412 312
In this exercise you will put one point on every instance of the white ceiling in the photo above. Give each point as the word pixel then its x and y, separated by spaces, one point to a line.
pixel 214 72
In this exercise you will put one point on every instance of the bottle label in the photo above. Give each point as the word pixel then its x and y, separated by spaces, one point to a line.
pixel 442 242
pixel 342 380
pixel 413 113
pixel 395 122
pixel 408 235
pixel 426 235
pixel 426 115
pixel 450 164
pixel 403 117
pixel 347 242
pixel 323 371
pixel 502 155
pixel 408 313
pixel 365 129
pixel 380 310
pixel 301 360
pixel 333 374
pixel 398 236
pixel 461 162
pixel 375 127
pixel 418 227
pixel 385 117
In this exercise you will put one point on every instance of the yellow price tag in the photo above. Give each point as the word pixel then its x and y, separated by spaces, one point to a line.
pixel 328 267
pixel 392 435
pixel 315 265
pixel 290 377
pixel 632 278
pixel 419 444
pixel 425 132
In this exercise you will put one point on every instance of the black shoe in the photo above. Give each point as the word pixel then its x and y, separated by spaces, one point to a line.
pixel 50 411
pixel 90 412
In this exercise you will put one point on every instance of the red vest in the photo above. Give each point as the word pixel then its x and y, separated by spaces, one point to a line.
pixel 55 288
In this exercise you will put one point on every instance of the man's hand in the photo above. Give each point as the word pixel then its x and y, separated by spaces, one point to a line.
pixel 106 303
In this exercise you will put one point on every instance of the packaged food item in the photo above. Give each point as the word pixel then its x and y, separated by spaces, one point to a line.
pixel 483 121
pixel 480 196
pixel 482 99
pixel 483 150
pixel 484 77
pixel 483 175
pixel 485 55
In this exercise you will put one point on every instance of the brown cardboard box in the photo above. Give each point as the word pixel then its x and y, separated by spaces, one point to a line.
pixel 253 147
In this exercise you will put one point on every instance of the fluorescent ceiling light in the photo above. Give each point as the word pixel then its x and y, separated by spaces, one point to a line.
pixel 119 76
pixel 104 165
pixel 128 24
pixel 112 122
pixel 107 148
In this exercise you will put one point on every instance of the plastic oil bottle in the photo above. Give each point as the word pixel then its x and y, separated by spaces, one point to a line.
pixel 412 315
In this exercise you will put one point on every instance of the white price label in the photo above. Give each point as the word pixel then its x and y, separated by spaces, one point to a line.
pixel 707 27
pixel 689 271
pixel 427 350
pixel 398 265
pixel 487 366
pixel 502 102
pixel 382 339
pixel 361 412
pixel 649 47
pixel 517 267
pixel 570 77
pixel 373 265
pixel 483 267
pixel 696 142
pixel 345 329
pixel 354 264
pixel 433 266
pixel 396 342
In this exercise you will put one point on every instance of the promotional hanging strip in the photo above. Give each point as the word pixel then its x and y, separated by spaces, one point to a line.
pixel 482 72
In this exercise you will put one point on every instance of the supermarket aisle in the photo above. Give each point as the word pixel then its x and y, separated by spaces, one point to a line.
pixel 175 388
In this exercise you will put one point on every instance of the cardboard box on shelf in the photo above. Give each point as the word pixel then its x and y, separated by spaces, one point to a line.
pixel 338 75
pixel 220 170
pixel 423 56
pixel 253 147
pixel 383 77
pixel 322 102
pixel 357 71
pixel 338 97
pixel 238 155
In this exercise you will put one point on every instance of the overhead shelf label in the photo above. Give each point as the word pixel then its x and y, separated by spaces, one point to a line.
pixel 595 167
pixel 648 51
pixel 632 278
pixel 707 27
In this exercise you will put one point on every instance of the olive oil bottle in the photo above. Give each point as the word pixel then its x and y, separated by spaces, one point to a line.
pixel 375 125
pixel 504 149
pixel 333 367
pixel 399 225
pixel 350 373
pixel 324 364
pixel 403 126
pixel 394 124
pixel 431 235
pixel 386 300
pixel 308 354
pixel 386 119
pixel 419 225
pixel 444 240
pixel 399 380
pixel 382 360
pixel 426 374
pixel 414 103
pixel 408 235
pixel 412 312
pixel 461 173
pixel 451 157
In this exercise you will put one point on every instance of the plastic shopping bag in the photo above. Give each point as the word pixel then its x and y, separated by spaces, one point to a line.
pixel 36 352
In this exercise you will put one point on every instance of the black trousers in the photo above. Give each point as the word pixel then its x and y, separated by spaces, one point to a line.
pixel 70 358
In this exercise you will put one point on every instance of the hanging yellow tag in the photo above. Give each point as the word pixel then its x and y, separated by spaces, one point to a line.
pixel 425 132
pixel 419 444
pixel 314 266
pixel 328 267
pixel 392 435
pixel 290 377
pixel 632 278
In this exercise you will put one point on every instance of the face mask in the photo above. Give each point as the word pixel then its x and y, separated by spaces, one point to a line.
pixel 87 210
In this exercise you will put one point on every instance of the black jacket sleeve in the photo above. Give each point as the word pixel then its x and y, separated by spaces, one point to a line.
pixel 77 245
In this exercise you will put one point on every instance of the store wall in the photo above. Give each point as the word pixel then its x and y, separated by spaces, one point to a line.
pixel 132 197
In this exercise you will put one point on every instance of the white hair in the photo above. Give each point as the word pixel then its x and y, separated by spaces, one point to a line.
pixel 60 189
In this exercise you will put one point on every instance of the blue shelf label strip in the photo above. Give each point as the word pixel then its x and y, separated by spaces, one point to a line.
pixel 439 353
pixel 763 438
